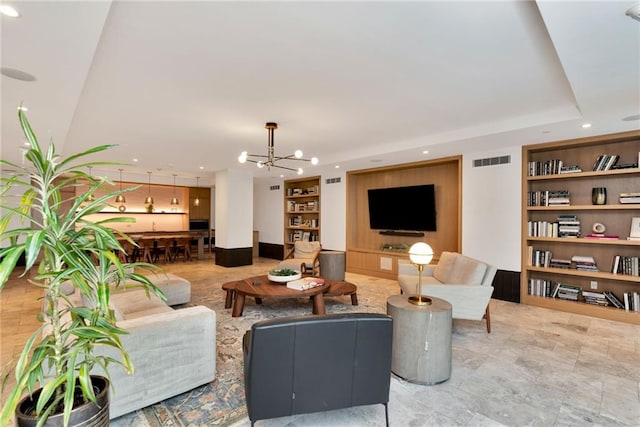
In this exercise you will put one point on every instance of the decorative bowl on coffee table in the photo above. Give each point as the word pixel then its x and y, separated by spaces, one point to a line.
pixel 284 276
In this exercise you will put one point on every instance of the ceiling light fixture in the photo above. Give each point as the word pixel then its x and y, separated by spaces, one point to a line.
pixel 586 125
pixel 174 199
pixel 90 197
pixel 149 199
pixel 634 12
pixel 9 11
pixel 196 201
pixel 120 197
pixel 271 158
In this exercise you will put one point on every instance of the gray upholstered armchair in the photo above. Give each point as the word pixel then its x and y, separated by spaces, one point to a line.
pixel 464 282
pixel 303 364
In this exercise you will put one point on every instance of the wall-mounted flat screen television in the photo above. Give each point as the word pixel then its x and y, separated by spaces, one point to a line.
pixel 411 208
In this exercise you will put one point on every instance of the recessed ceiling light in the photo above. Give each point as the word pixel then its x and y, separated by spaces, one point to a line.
pixel 201 167
pixel 9 11
pixel 17 74
pixel 135 160
pixel 281 176
pixel 425 152
pixel 337 166
pixel 586 125
pixel 23 108
pixel 546 131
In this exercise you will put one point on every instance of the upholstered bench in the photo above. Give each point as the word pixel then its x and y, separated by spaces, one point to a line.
pixel 177 289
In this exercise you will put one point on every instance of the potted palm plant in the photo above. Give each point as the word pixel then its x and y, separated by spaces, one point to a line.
pixel 63 252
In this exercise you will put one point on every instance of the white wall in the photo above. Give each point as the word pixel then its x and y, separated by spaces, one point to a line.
pixel 268 213
pixel 234 209
pixel 491 204
pixel 333 215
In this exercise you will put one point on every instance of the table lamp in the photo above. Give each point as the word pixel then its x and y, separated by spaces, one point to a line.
pixel 420 255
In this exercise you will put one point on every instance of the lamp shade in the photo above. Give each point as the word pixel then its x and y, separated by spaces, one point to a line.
pixel 420 253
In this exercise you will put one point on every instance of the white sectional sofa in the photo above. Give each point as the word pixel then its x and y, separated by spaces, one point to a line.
pixel 173 351
pixel 464 282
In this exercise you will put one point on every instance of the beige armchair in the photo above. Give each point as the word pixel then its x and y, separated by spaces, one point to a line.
pixel 464 282
pixel 303 254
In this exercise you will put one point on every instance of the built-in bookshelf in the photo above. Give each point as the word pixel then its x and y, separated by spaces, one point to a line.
pixel 578 254
pixel 301 211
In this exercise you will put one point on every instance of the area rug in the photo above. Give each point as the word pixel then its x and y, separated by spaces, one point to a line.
pixel 221 402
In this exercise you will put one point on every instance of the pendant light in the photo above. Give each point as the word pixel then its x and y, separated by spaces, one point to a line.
pixel 196 201
pixel 149 199
pixel 120 198
pixel 90 197
pixel 174 199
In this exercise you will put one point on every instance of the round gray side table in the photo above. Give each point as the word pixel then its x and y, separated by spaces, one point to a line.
pixel 332 265
pixel 421 340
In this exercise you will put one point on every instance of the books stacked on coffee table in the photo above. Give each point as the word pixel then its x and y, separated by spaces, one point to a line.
pixel 305 283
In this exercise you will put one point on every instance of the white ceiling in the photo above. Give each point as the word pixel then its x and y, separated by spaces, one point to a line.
pixel 182 85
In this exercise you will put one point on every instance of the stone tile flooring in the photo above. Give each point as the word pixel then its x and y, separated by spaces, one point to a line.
pixel 537 367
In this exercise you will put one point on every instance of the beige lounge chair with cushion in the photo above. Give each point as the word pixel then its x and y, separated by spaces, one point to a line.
pixel 306 253
pixel 464 282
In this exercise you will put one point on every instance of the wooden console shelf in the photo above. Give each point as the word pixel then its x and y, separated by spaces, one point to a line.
pixel 536 279
pixel 364 254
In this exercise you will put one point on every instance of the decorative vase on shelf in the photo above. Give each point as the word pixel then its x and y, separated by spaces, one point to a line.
pixel 150 208
pixel 599 196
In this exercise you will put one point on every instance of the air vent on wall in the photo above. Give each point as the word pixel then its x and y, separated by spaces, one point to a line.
pixel 274 187
pixel 492 161
pixel 333 180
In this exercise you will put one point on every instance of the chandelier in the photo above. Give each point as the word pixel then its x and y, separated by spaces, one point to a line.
pixel 270 159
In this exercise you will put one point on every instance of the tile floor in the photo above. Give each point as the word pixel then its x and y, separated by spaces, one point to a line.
pixel 537 367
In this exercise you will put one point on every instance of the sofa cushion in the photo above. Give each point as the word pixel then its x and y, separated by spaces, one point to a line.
pixel 455 268
pixel 177 289
pixel 445 267
pixel 135 303
pixel 467 271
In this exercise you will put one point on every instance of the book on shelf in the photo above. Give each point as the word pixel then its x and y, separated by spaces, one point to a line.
pixel 631 301
pixel 568 292
pixel 584 263
pixel 570 169
pixel 559 263
pixel 549 167
pixel 634 232
pixel 548 198
pixel 605 162
pixel 305 283
pixel 602 236
pixel 568 225
pixel 540 287
pixel 629 198
pixel 624 166
pixel 626 265
pixel 613 299
pixel 595 298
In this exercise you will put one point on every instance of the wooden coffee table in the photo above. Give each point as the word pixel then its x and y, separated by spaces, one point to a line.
pixel 268 289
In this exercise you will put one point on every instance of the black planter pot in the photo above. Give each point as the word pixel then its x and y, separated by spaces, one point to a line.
pixel 88 415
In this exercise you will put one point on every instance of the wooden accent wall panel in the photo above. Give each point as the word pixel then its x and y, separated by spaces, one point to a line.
pixel 445 173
